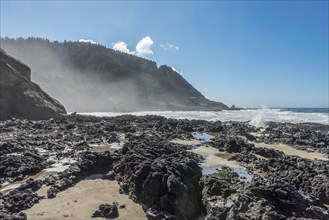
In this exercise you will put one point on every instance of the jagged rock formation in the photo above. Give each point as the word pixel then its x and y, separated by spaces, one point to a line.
pixel 226 197
pixel 20 97
pixel 163 176
pixel 89 77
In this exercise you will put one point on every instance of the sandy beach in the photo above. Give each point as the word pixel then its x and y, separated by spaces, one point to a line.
pixel 80 202
pixel 288 150
pixel 215 158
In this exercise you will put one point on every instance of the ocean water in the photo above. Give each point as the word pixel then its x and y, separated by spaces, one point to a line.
pixel 256 117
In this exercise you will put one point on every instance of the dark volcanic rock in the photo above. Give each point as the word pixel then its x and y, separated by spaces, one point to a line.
pixel 268 153
pixel 19 199
pixel 164 176
pixel 8 148
pixel 160 175
pixel 20 165
pixel 225 197
pixel 16 216
pixel 309 177
pixel 107 211
pixel 89 163
pixel 21 98
pixel 302 137
pixel 231 144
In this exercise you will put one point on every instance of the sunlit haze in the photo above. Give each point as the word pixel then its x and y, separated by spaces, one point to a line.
pixel 247 53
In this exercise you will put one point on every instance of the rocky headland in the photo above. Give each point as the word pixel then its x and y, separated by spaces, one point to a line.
pixel 19 96
pixel 158 165
pixel 88 77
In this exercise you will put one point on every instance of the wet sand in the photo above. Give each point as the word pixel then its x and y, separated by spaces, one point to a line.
pixel 10 186
pixel 80 202
pixel 106 147
pixel 193 142
pixel 215 158
pixel 100 149
pixel 286 149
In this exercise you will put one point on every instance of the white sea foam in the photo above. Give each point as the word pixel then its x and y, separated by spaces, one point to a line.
pixel 60 166
pixel 257 116
pixel 14 154
pixel 10 187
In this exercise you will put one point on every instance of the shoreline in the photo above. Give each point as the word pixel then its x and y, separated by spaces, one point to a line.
pixel 156 160
pixel 317 121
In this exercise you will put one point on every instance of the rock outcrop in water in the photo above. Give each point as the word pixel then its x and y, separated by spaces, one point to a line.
pixel 19 96
pixel 92 78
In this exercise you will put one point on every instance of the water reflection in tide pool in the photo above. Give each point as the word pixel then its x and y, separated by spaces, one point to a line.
pixel 209 170
pixel 8 186
pixel 242 172
pixel 202 136
pixel 94 176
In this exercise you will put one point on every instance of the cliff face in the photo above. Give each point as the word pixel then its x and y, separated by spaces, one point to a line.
pixel 19 96
pixel 89 77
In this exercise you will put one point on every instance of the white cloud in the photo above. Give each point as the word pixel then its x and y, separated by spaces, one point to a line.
pixel 177 71
pixel 144 46
pixel 121 46
pixel 168 46
pixel 87 41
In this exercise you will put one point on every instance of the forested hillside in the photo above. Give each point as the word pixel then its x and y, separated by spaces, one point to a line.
pixel 90 77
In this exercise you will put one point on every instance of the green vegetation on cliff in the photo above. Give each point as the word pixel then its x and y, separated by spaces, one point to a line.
pixel 90 77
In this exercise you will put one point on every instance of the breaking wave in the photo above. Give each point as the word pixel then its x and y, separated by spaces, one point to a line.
pixel 256 116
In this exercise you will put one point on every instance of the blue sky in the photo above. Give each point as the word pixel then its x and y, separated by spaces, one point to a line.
pixel 247 53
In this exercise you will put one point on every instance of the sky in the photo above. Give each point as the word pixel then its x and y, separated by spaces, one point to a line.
pixel 246 53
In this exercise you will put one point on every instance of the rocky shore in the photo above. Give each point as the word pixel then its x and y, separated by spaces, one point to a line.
pixel 155 162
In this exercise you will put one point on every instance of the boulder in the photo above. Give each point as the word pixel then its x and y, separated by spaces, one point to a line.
pixel 107 211
pixel 162 176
